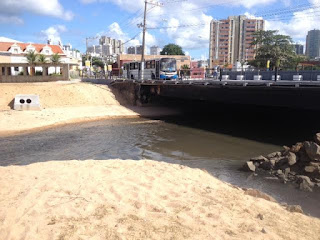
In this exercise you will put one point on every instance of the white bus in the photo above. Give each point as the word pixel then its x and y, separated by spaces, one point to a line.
pixel 161 69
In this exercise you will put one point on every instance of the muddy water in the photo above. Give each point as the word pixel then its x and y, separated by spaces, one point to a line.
pixel 220 154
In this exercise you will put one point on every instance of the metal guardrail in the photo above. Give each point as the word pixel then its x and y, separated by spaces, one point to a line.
pixel 240 83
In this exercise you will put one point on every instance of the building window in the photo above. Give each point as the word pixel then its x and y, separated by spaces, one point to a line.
pixel 15 50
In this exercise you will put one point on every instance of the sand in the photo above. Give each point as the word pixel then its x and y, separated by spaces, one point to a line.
pixel 119 199
pixel 63 103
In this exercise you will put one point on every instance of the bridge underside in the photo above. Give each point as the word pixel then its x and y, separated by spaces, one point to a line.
pixel 304 97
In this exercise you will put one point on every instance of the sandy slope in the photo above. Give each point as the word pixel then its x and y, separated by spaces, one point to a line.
pixel 59 94
pixel 62 102
pixel 136 200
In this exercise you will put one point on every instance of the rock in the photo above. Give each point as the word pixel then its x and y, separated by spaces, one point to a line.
pixel 249 166
pixel 317 180
pixel 279 172
pixel 305 183
pixel 312 150
pixel 317 138
pixel 282 163
pixel 267 165
pixel 287 171
pixel 259 159
pixel 291 158
pixel 282 177
pixel 286 148
pixel 315 164
pixel 296 148
pixel 310 169
pixel 263 231
pixel 274 155
pixel 294 208
pixel 273 162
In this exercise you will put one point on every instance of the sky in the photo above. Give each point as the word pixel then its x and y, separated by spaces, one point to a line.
pixel 183 22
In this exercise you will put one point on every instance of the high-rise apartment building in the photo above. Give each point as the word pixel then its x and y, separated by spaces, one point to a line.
pixel 154 50
pixel 131 50
pixel 230 40
pixel 299 49
pixel 313 44
pixel 139 49
pixel 107 47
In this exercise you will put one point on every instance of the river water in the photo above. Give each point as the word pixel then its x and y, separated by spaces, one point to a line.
pixel 191 142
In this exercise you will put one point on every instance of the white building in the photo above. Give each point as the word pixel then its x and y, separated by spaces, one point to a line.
pixel 15 52
pixel 73 55
pixel 155 50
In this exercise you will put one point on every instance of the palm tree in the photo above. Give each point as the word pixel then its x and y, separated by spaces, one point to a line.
pixel 42 58
pixel 31 58
pixel 55 59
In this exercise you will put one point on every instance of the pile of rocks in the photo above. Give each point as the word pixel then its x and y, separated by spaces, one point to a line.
pixel 299 164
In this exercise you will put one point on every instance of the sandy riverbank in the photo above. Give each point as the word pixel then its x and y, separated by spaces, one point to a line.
pixel 63 103
pixel 119 199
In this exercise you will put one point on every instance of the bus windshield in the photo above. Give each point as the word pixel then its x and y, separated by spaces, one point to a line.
pixel 168 65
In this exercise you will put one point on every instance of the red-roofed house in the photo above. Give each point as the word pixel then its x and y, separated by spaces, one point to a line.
pixel 15 52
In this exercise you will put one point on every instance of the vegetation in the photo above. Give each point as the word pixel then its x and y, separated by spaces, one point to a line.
pixel 276 48
pixel 185 70
pixel 97 62
pixel 42 58
pixel 31 58
pixel 55 59
pixel 172 49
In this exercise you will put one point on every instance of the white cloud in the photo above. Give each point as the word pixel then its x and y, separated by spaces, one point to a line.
pixel 11 10
pixel 7 19
pixel 115 31
pixel 191 12
pixel 5 39
pixel 53 33
pixel 298 26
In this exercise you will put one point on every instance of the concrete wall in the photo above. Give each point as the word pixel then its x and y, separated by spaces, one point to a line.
pixel 8 75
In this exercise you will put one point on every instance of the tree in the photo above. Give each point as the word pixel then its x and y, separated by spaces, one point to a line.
pixel 55 59
pixel 185 70
pixel 42 58
pixel 97 62
pixel 31 58
pixel 172 49
pixel 276 48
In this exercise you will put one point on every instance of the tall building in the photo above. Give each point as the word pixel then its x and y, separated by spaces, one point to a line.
pixel 154 50
pixel 131 50
pixel 313 44
pixel 299 49
pixel 107 47
pixel 230 40
pixel 139 49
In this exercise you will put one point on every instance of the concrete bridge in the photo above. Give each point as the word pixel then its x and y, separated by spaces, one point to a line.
pixel 292 94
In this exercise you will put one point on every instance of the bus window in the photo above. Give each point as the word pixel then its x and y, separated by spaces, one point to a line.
pixel 136 65
pixel 148 65
pixel 153 64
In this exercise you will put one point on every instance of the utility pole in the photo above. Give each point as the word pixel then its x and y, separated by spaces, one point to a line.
pixel 143 40
pixel 144 25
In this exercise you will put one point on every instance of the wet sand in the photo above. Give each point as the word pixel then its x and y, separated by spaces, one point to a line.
pixel 119 199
